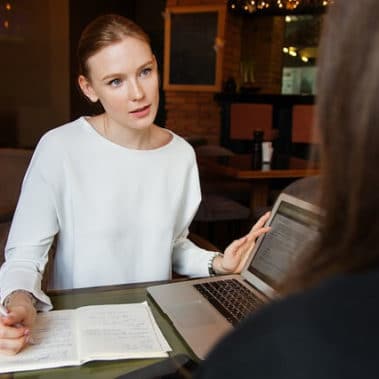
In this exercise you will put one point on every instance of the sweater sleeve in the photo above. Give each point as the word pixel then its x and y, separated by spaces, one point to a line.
pixel 32 232
pixel 189 259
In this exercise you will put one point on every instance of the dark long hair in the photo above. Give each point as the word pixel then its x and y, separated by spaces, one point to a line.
pixel 347 116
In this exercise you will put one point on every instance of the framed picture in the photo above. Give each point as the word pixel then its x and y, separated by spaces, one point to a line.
pixel 194 39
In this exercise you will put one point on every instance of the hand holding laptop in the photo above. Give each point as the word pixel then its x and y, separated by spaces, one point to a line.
pixel 236 254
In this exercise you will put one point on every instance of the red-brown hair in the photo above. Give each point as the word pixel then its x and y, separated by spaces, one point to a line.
pixel 103 31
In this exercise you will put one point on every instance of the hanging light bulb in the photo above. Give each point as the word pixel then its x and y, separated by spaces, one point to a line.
pixel 290 4
pixel 263 4
pixel 251 8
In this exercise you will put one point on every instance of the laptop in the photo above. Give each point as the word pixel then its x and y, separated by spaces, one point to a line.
pixel 199 308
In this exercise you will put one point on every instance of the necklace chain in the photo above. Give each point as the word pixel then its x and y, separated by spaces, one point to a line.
pixel 105 126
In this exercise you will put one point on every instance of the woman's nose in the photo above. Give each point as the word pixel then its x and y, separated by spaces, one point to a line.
pixel 135 91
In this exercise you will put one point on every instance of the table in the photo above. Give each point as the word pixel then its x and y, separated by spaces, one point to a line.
pixel 106 369
pixel 239 167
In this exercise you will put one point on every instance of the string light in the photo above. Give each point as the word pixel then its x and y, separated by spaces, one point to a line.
pixel 288 4
pixel 294 52
pixel 278 6
pixel 5 14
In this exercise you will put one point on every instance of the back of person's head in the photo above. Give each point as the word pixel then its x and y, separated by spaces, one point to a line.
pixel 348 122
pixel 104 31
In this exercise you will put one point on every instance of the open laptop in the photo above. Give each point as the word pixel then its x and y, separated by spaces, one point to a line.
pixel 202 319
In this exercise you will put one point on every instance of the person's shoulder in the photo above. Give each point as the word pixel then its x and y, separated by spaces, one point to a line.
pixel 181 143
pixel 262 337
pixel 57 141
pixel 315 310
pixel 62 132
pixel 292 331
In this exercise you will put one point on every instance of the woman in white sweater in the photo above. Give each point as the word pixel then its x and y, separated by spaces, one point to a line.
pixel 118 191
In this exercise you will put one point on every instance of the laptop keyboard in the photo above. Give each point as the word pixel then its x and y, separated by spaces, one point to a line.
pixel 233 300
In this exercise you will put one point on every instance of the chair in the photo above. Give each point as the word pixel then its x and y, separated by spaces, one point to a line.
pixel 246 117
pixel 196 141
pixel 307 189
pixel 8 128
pixel 4 230
pixel 202 242
pixel 13 163
pixel 304 136
pixel 221 215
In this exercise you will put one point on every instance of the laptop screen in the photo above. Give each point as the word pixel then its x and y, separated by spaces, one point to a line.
pixel 292 228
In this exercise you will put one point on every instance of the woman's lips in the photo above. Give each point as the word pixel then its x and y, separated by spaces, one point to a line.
pixel 141 112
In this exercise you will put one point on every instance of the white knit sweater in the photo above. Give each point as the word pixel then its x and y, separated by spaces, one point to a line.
pixel 121 215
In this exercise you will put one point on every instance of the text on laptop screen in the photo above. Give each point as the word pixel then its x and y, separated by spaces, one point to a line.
pixel 292 228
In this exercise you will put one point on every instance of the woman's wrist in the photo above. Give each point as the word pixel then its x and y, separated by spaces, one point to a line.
pixel 20 297
pixel 217 265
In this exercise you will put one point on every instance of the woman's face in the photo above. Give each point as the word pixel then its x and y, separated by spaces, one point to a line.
pixel 124 78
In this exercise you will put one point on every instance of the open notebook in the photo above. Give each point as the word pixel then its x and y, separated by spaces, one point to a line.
pixel 94 332
pixel 203 310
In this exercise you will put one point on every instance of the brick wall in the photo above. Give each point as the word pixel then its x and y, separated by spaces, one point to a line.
pixel 192 113
pixel 264 38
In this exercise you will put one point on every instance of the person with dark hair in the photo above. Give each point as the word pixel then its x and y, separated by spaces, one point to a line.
pixel 326 323
pixel 118 191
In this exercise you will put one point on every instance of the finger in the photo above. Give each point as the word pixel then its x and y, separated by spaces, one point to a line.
pixel 247 249
pixel 11 332
pixel 235 245
pixel 254 234
pixel 261 231
pixel 261 222
pixel 12 346
pixel 13 318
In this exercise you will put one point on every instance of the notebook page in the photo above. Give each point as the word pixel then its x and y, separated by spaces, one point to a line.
pixel 54 344
pixel 119 331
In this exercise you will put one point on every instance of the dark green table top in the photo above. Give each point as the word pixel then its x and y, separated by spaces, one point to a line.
pixel 106 369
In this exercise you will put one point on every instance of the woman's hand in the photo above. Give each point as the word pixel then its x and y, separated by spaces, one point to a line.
pixel 15 327
pixel 236 254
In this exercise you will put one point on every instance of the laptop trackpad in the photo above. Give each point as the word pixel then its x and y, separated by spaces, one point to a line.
pixel 192 315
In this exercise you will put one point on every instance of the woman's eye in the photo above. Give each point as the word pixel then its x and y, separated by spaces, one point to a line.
pixel 146 71
pixel 115 83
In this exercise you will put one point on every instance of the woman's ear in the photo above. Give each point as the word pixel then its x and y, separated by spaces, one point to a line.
pixel 87 88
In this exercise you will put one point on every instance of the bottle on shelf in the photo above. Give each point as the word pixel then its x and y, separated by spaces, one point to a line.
pixel 257 149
